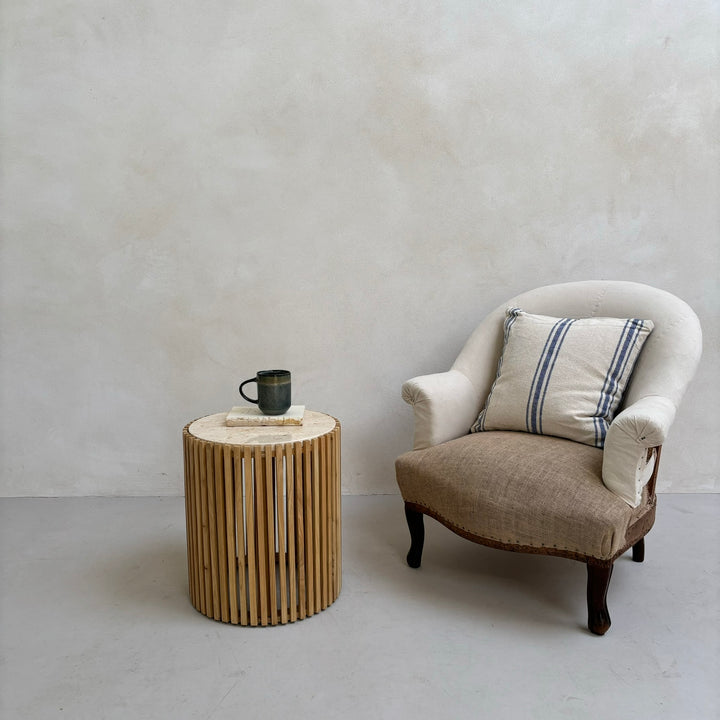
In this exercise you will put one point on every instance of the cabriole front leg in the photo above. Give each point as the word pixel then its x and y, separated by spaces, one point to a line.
pixel 417 536
pixel 597 587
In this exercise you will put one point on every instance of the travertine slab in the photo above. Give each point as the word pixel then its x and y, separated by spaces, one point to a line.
pixel 214 429
pixel 251 416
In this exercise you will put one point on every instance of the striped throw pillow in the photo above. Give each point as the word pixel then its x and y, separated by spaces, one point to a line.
pixel 562 376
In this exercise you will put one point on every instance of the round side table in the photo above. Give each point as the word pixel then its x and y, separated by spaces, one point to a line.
pixel 263 511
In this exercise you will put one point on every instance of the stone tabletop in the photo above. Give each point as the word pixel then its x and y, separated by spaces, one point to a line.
pixel 213 429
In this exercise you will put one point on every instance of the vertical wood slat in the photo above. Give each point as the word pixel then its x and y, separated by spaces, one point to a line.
pixel 264 528
pixel 188 529
pixel 199 544
pixel 191 504
pixel 219 482
pixel 290 515
pixel 206 569
pixel 331 517
pixel 212 529
pixel 309 526
pixel 270 527
pixel 316 522
pixel 300 529
pixel 240 537
pixel 338 510
pixel 249 486
pixel 196 511
pixel 261 519
pixel 332 512
pixel 230 529
pixel 203 559
pixel 324 554
pixel 280 516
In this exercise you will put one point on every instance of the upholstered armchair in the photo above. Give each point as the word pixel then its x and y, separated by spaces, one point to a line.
pixel 531 488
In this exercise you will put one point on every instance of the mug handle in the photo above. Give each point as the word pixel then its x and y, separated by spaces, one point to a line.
pixel 242 385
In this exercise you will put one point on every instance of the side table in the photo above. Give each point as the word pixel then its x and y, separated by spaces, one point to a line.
pixel 263 512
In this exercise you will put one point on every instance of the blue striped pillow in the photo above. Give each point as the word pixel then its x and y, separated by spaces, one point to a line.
pixel 562 376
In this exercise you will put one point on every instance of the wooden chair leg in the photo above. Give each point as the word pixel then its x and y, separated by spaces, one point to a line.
pixel 639 550
pixel 597 587
pixel 417 536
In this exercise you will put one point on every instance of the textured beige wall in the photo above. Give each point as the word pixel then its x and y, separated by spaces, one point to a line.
pixel 194 191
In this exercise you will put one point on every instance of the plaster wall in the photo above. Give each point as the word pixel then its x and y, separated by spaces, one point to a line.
pixel 195 191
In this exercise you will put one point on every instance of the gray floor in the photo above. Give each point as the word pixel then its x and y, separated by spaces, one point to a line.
pixel 95 623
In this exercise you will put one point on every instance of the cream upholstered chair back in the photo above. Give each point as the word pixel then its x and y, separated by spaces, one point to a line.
pixel 666 364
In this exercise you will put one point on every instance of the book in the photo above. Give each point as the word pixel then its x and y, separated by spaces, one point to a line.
pixel 251 416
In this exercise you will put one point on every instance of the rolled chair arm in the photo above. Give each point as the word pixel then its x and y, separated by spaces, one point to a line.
pixel 445 406
pixel 627 465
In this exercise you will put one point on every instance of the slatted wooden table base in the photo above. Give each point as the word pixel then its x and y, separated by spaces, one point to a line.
pixel 263 511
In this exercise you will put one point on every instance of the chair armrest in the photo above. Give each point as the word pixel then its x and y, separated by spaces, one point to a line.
pixel 445 406
pixel 627 466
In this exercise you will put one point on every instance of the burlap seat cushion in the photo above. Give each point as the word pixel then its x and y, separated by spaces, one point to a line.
pixel 521 489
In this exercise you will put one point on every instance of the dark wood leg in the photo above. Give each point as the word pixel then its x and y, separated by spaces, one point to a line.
pixel 417 536
pixel 597 587
pixel 639 550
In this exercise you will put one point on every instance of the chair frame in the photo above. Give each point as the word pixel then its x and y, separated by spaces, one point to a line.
pixel 599 572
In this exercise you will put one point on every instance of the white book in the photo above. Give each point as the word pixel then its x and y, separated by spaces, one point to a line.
pixel 251 416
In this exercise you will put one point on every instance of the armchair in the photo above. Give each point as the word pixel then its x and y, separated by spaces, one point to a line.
pixel 543 494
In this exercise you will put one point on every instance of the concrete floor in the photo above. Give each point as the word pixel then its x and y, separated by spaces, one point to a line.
pixel 95 623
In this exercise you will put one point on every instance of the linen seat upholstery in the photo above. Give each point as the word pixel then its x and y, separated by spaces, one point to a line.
pixel 542 494
pixel 523 492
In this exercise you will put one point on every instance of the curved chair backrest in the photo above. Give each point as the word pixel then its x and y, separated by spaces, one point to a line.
pixel 668 359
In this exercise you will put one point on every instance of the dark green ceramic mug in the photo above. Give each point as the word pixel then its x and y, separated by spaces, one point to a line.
pixel 273 390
